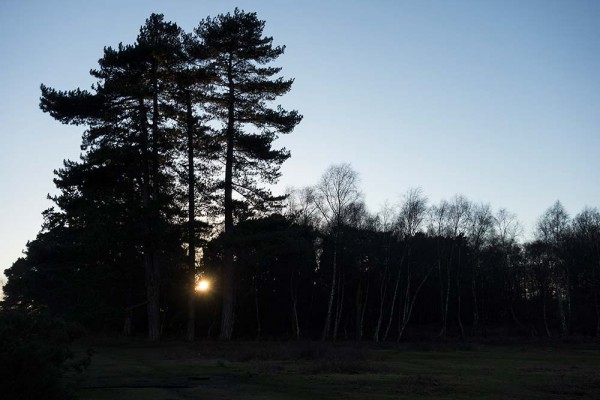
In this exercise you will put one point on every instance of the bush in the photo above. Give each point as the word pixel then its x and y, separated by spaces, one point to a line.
pixel 35 356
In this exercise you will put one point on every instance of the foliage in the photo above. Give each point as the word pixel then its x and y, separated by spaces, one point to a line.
pixel 35 356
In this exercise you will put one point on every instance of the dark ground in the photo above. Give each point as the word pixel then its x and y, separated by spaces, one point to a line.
pixel 313 370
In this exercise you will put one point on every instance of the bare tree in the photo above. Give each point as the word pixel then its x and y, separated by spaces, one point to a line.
pixel 437 216
pixel 301 205
pixel 386 218
pixel 336 192
pixel 480 227
pixel 387 223
pixel 436 219
pixel 506 230
pixel 458 218
pixel 552 230
pixel 506 227
pixel 412 216
pixel 458 215
pixel 412 213
pixel 448 220
pixel 586 226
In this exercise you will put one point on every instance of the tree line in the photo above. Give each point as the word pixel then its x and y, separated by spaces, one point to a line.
pixel 172 185
pixel 453 268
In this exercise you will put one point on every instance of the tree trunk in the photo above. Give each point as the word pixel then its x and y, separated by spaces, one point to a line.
pixel 294 296
pixel 395 295
pixel 544 312
pixel 191 323
pixel 361 305
pixel 516 320
pixel 474 273
pixel 150 271
pixel 595 286
pixel 364 308
pixel 403 316
pixel 441 278
pixel 569 305
pixel 228 295
pixel 408 310
pixel 258 326
pixel 358 306
pixel 153 296
pixel 382 293
pixel 327 325
pixel 383 290
pixel 597 314
pixel 561 314
pixel 295 323
pixel 340 305
pixel 153 275
pixel 128 324
pixel 483 307
pixel 458 305
pixel 447 296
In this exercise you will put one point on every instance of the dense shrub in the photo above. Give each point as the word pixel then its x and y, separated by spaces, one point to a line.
pixel 35 356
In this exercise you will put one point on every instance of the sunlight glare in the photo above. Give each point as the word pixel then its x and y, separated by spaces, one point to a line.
pixel 202 285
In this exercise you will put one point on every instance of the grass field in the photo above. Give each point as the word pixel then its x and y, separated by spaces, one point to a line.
pixel 311 370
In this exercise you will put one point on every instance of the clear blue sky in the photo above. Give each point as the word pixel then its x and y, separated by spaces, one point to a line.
pixel 497 100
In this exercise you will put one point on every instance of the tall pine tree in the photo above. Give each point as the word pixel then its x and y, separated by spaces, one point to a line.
pixel 239 55
pixel 128 111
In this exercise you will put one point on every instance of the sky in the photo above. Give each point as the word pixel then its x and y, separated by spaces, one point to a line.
pixel 495 100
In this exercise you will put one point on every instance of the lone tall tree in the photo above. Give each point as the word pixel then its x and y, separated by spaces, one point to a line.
pixel 239 55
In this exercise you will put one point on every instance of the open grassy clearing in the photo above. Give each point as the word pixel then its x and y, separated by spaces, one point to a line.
pixel 309 370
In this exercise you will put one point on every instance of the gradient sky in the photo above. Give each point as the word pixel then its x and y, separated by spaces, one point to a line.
pixel 496 100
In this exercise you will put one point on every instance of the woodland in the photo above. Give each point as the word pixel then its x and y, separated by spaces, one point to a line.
pixel 172 188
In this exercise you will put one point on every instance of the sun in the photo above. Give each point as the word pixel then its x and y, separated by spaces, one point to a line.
pixel 202 285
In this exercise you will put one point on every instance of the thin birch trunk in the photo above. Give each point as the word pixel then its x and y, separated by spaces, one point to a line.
pixel 382 293
pixel 364 308
pixel 544 313
pixel 258 326
pixel 327 326
pixel 340 305
pixel 460 324
pixel 395 295
pixel 408 313
pixel 294 296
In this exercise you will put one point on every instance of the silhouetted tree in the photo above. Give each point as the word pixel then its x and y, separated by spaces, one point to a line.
pixel 336 192
pixel 586 249
pixel 552 231
pixel 300 205
pixel 506 230
pixel 128 112
pixel 479 230
pixel 193 85
pixel 412 215
pixel 238 53
pixel 387 225
pixel 275 263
